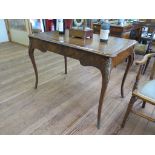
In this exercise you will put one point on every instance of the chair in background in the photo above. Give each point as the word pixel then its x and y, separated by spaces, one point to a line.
pixel 151 47
pixel 145 43
pixel 145 92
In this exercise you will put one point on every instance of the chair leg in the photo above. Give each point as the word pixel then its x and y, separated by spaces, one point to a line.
pixel 65 60
pixel 130 105
pixel 143 105
pixel 145 66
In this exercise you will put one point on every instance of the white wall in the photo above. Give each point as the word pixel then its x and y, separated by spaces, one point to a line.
pixel 3 32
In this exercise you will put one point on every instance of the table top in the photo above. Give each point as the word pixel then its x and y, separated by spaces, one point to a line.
pixel 112 48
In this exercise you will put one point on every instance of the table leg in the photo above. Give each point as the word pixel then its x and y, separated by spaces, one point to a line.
pixel 31 55
pixel 130 62
pixel 105 66
pixel 105 72
pixel 65 60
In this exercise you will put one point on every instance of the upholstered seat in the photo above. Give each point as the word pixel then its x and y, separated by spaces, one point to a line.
pixel 140 49
pixel 146 90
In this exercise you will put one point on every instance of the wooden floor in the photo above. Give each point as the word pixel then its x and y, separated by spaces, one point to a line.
pixel 62 104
